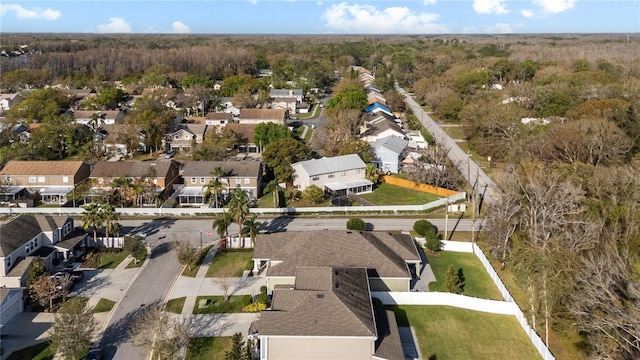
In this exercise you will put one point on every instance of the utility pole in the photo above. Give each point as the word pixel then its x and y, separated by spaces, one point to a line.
pixel 446 219
pixel 200 240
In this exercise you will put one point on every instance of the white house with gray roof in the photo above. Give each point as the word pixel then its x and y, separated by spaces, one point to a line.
pixel 338 174
pixel 389 153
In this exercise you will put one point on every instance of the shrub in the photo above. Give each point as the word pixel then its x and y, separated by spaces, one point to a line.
pixel 263 289
pixel 254 307
pixel 356 224
pixel 423 227
pixel 433 243
pixel 313 194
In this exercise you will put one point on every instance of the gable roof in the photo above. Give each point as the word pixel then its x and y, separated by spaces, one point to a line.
pixel 262 114
pixel 393 143
pixel 231 168
pixel 218 116
pixel 378 106
pixel 380 125
pixel 135 169
pixel 285 92
pixel 383 254
pixel 324 302
pixel 327 165
pixel 15 167
pixel 23 228
pixel 194 129
pixel 244 131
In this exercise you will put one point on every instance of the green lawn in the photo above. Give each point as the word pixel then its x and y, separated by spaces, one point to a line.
pixel 175 305
pixel 196 264
pixel 137 262
pixel 41 351
pixel 72 300
pixel 387 194
pixel 218 306
pixel 104 305
pixel 111 260
pixel 206 348
pixel 445 333
pixel 231 263
pixel 477 281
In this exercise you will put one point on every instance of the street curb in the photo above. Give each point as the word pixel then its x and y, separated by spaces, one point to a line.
pixel 122 293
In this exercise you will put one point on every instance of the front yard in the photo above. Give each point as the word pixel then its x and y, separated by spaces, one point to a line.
pixel 445 333
pixel 206 348
pixel 231 263
pixel 216 304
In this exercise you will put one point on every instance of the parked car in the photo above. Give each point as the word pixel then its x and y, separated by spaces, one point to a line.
pixel 169 154
pixel 76 275
pixel 143 234
pixel 94 354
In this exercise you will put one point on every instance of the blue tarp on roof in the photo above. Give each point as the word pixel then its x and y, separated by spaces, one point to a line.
pixel 378 106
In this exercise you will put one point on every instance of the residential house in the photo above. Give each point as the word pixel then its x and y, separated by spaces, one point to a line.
pixel 186 136
pixel 52 181
pixel 245 133
pixel 379 126
pixel 156 177
pixel 101 117
pixel 265 73
pixel 6 100
pixel 11 303
pixel 218 118
pixel 374 97
pixel 245 175
pixel 391 259
pixel 370 88
pixel 338 175
pixel 226 104
pixel 379 108
pixel 326 314
pixel 287 93
pixel 389 153
pixel 288 104
pixel 261 116
pixel 113 139
pixel 52 238
pixel 416 140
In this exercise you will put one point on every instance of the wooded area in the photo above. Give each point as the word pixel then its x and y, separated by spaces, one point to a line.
pixel 558 114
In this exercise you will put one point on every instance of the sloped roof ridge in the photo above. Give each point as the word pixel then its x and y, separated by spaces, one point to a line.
pixel 372 239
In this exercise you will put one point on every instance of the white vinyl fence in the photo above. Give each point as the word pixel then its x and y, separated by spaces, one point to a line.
pixel 507 307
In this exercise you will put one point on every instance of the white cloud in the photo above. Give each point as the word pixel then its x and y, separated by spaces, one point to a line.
pixel 32 13
pixel 253 2
pixel 368 19
pixel 555 6
pixel 499 28
pixel 115 25
pixel 179 28
pixel 490 7
pixel 429 2
pixel 526 13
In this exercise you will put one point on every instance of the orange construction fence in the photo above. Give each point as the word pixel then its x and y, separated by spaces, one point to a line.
pixel 420 187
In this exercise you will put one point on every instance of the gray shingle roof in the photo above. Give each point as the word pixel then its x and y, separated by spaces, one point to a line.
pixel 231 168
pixel 393 143
pixel 285 92
pixel 384 254
pixel 134 169
pixel 23 228
pixel 324 302
pixel 327 165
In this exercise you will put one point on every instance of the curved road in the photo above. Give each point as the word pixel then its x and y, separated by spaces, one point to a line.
pixel 468 168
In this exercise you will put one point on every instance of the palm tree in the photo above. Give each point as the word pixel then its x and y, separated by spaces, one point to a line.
pixel 239 208
pixel 122 185
pixel 221 225
pixel 251 227
pixel 109 215
pixel 114 228
pixel 215 186
pixel 92 217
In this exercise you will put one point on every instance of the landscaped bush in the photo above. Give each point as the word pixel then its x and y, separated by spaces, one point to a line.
pixel 255 307
pixel 356 224
pixel 433 243
pixel 423 227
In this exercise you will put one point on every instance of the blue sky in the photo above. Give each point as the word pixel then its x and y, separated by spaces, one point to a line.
pixel 322 17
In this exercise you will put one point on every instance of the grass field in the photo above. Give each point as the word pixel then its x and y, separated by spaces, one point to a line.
pixel 111 260
pixel 175 305
pixel 231 263
pixel 218 306
pixel 477 281
pixel 196 264
pixel 206 348
pixel 387 194
pixel 104 305
pixel 445 333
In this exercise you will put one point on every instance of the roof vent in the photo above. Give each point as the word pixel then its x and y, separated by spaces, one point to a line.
pixel 319 296
pixel 336 285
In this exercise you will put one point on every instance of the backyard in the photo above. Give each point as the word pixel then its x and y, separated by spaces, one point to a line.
pixel 446 333
pixel 477 281
pixel 387 194
pixel 231 263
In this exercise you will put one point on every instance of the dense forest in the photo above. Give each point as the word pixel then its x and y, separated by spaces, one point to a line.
pixel 567 226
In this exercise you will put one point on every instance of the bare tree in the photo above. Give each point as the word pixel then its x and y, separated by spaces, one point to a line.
pixel 72 330
pixel 227 284
pixel 186 253
pixel 44 291
pixel 432 168
pixel 503 217
pixel 159 333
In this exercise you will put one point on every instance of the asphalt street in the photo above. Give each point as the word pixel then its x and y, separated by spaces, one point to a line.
pixel 474 175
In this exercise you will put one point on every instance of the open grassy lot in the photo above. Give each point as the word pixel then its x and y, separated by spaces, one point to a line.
pixel 445 333
pixel 477 281
pixel 104 305
pixel 206 348
pixel 196 264
pixel 41 351
pixel 231 263
pixel 218 306
pixel 387 194
pixel 175 305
